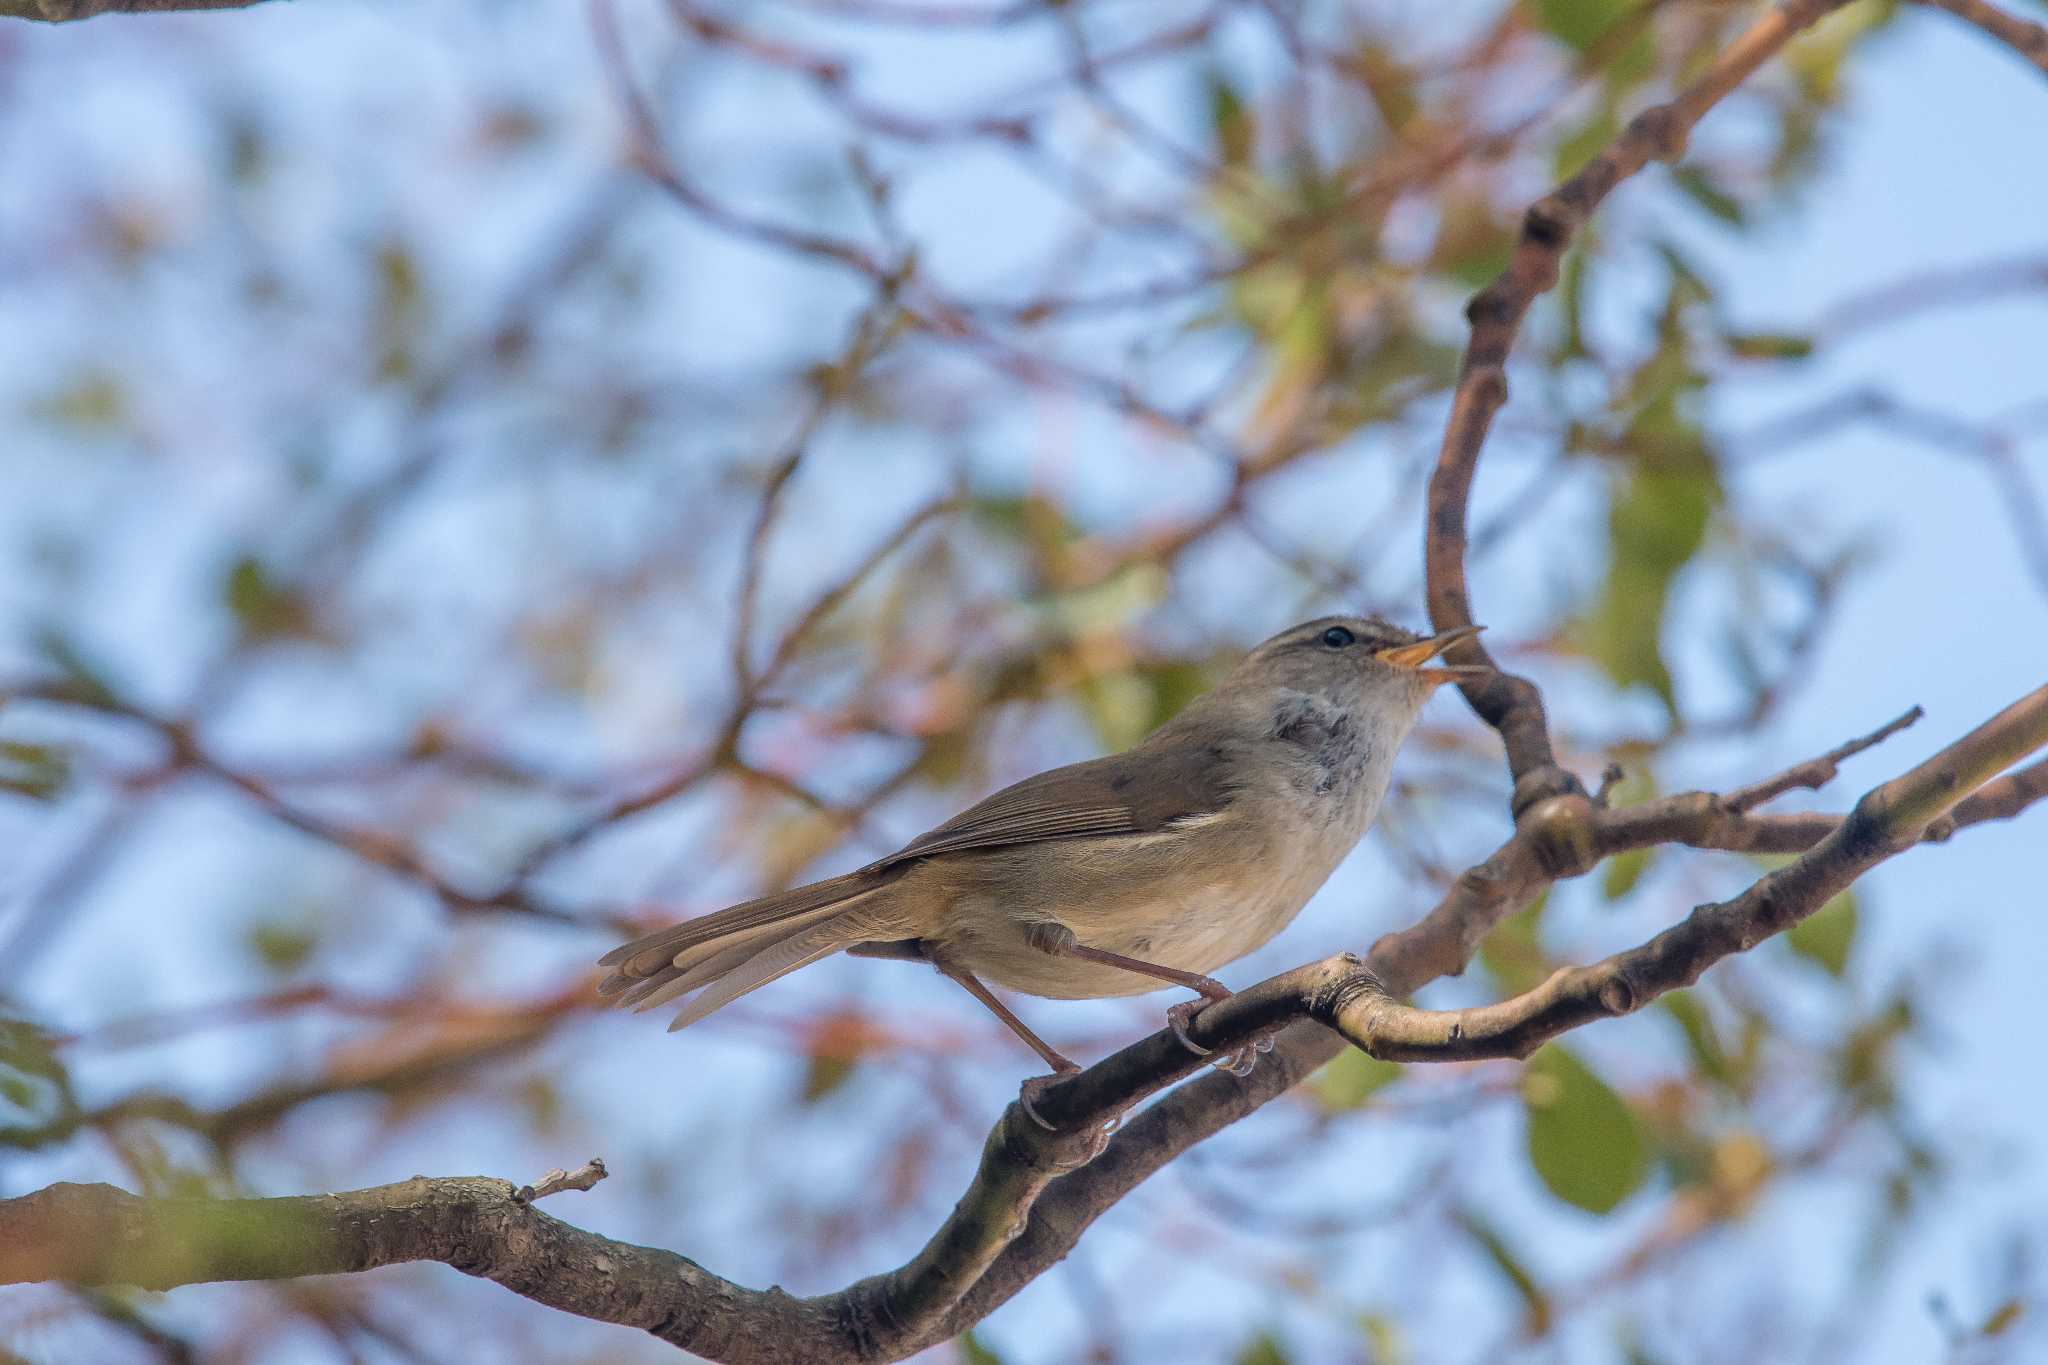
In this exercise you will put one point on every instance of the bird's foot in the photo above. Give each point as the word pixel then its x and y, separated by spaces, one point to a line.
pixel 1027 1096
pixel 1238 1063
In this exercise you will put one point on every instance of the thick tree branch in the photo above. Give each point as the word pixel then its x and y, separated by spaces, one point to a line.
pixel 1028 1202
pixel 65 11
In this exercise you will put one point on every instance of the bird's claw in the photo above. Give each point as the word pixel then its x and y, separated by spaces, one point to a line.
pixel 1238 1063
pixel 1178 1017
pixel 1027 1095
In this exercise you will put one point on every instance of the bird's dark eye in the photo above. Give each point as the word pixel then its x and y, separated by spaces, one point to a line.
pixel 1336 637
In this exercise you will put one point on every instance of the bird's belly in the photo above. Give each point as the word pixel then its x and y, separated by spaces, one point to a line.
pixel 1170 914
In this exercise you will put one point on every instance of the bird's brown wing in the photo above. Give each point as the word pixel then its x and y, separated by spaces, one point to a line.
pixel 1129 793
pixel 1136 792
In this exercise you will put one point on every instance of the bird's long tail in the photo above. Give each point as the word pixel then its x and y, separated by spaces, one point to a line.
pixel 743 948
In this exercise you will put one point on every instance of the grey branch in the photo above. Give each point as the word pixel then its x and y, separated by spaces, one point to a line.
pixel 66 11
pixel 557 1180
pixel 1034 1192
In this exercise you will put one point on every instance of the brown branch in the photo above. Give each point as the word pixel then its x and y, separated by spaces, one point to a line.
pixel 1888 820
pixel 2026 38
pixel 1814 773
pixel 1028 1202
pixel 1511 705
pixel 67 11
pixel 584 1177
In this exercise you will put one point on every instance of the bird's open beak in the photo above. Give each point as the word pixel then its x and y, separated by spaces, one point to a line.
pixel 1422 651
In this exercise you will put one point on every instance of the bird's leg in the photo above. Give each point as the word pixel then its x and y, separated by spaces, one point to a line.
pixel 1060 941
pixel 1028 1093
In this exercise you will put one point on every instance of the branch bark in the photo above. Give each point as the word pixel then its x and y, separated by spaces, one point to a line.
pixel 1511 704
pixel 67 11
pixel 1034 1192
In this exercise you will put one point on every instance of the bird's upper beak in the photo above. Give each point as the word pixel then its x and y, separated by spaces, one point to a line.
pixel 1422 651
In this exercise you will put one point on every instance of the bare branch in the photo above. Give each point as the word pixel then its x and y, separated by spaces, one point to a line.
pixel 1815 773
pixel 1032 1194
pixel 1511 705
pixel 584 1177
pixel 67 11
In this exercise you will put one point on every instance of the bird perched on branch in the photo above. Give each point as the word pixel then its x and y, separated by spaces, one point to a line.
pixel 1156 865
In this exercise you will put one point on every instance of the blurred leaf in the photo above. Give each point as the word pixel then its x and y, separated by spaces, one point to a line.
pixel 93 402
pixel 1583 143
pixel 1513 953
pixel 1351 1078
pixel 973 1352
pixel 33 1083
pixel 1383 1339
pixel 266 608
pixel 398 310
pixel 1230 121
pixel 1700 188
pixel 1741 1166
pixel 1623 871
pixel 37 771
pixel 1536 1314
pixel 283 944
pixel 1769 346
pixel 1388 81
pixel 83 678
pixel 823 1075
pixel 2002 1318
pixel 1263 1349
pixel 1473 242
pixel 1656 523
pixel 1709 1058
pixel 1584 1140
pixel 834 1045
pixel 1578 24
pixel 1826 936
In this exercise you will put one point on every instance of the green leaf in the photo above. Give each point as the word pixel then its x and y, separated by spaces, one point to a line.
pixel 96 402
pixel 1263 1349
pixel 283 944
pixel 1535 1301
pixel 1578 24
pixel 1352 1078
pixel 1583 143
pixel 1623 871
pixel 1768 346
pixel 1656 523
pixel 266 608
pixel 974 1352
pixel 1826 936
pixel 34 1086
pixel 1584 1141
pixel 1709 1058
pixel 1701 189
pixel 825 1073
pixel 1513 953
pixel 1230 121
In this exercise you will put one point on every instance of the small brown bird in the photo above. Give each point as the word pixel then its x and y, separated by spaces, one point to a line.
pixel 1156 865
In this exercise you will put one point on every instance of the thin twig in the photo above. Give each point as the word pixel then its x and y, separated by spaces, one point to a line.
pixel 1815 773
pixel 555 1181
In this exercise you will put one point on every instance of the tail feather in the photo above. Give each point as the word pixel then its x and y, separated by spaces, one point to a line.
pixel 665 962
pixel 646 956
pixel 773 963
pixel 665 986
pixel 727 954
